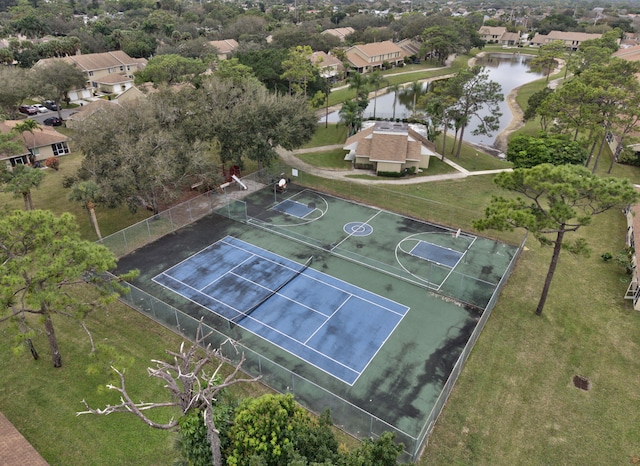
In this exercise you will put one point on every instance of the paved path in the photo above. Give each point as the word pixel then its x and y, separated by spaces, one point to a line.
pixel 289 157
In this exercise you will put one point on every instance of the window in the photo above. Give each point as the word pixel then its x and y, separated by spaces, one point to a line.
pixel 121 68
pixel 60 148
pixel 90 73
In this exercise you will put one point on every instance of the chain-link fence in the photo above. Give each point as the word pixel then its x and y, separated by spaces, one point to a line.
pixel 350 418
pixel 131 238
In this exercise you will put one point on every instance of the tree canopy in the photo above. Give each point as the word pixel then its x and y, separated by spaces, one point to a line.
pixel 170 69
pixel 43 264
pixel 556 149
pixel 551 202
pixel 138 156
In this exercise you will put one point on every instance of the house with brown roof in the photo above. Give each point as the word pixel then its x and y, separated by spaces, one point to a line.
pixel 410 46
pixel 340 33
pixel 509 39
pixel 329 66
pixel 43 143
pixel 389 147
pixel 224 47
pixel 108 72
pixel 572 40
pixel 366 58
pixel 492 34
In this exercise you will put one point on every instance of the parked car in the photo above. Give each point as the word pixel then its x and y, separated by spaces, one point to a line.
pixel 28 109
pixel 50 104
pixel 53 121
pixel 40 108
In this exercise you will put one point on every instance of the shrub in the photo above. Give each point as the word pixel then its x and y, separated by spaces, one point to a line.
pixel 391 174
pixel 52 162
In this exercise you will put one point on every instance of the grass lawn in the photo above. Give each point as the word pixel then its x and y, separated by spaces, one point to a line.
pixel 42 401
pixel 515 402
pixel 329 159
pixel 332 134
pixel 471 158
pixel 52 196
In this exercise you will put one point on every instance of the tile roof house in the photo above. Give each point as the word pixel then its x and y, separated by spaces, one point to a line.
pixel 15 450
pixel 42 144
pixel 410 46
pixel 224 47
pixel 330 67
pixel 390 147
pixel 572 40
pixel 340 33
pixel 491 34
pixel 108 72
pixel 370 57
pixel 509 39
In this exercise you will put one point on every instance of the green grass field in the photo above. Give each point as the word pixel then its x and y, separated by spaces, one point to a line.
pixel 52 196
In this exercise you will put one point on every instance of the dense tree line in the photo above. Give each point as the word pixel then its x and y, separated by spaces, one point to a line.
pixel 144 154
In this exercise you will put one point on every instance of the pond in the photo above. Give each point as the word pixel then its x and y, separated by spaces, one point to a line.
pixel 510 70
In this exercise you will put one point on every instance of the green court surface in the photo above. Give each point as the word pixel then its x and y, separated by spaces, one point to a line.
pixel 445 277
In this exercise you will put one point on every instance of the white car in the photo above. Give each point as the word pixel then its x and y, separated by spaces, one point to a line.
pixel 40 108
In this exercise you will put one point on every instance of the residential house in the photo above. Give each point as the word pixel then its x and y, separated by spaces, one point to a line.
pixel 43 143
pixel 89 109
pixel 510 39
pixel 330 67
pixel 340 33
pixel 572 40
pixel 491 34
pixel 370 57
pixel 410 46
pixel 224 47
pixel 390 147
pixel 633 238
pixel 108 72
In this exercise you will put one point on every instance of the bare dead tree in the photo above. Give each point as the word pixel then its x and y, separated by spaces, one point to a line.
pixel 190 384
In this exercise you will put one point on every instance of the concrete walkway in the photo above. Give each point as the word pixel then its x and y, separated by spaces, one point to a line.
pixel 289 157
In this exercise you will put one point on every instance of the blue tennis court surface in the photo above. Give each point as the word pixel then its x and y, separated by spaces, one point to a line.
pixel 331 324
pixel 297 209
pixel 437 254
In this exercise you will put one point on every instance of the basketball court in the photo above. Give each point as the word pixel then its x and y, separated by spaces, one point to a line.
pixel 347 306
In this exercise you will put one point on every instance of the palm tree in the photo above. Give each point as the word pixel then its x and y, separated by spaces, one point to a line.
pixel 351 116
pixel 395 88
pixel 20 181
pixel 377 81
pixel 88 193
pixel 27 126
pixel 414 90
pixel 357 81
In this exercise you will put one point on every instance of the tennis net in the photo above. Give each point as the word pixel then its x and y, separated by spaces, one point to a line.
pixel 249 311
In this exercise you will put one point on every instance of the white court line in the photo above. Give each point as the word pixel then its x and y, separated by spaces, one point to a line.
pixel 351 234
pixel 328 318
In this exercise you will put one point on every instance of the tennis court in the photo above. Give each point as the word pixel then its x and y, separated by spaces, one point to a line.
pixel 324 321
pixel 373 327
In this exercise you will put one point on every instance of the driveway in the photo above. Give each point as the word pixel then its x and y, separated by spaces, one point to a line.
pixel 40 117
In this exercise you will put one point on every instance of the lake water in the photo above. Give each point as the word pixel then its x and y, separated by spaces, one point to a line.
pixel 507 69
